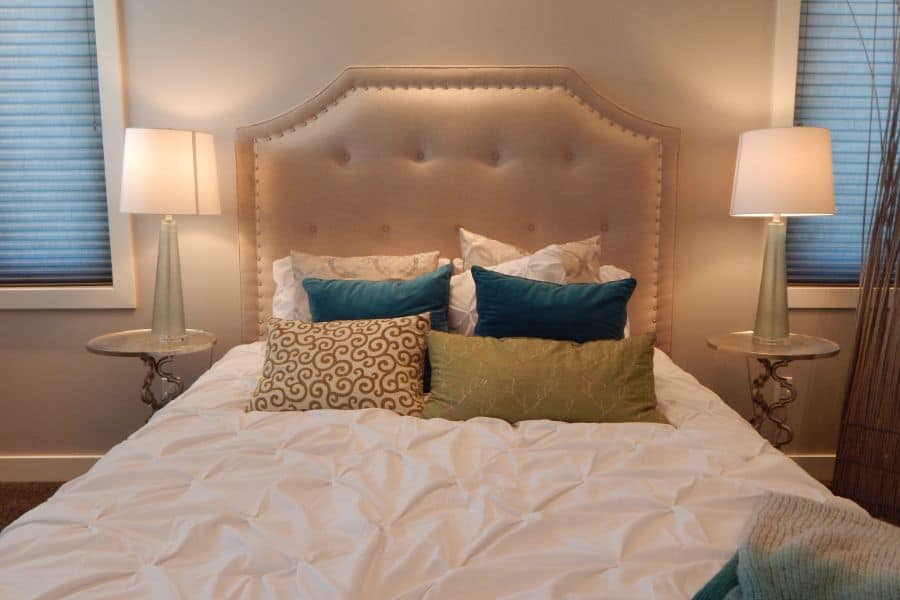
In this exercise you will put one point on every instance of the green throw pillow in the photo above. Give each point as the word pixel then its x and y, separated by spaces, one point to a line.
pixel 518 379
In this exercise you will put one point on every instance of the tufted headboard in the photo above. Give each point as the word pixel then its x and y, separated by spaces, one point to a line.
pixel 391 160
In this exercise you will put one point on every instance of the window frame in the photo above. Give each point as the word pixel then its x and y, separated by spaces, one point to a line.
pixel 122 292
pixel 786 46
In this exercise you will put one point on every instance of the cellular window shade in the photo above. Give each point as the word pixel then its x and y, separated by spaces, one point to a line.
pixel 53 212
pixel 835 90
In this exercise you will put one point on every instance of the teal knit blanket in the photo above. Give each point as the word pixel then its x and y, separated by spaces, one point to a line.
pixel 799 549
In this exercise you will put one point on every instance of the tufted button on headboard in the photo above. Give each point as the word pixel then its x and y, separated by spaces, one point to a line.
pixel 392 160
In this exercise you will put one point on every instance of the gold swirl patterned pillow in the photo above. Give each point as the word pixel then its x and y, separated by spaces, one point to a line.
pixel 369 363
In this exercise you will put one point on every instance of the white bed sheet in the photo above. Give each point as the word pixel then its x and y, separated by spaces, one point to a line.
pixel 207 501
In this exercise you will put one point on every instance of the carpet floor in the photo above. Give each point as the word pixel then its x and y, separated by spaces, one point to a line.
pixel 17 498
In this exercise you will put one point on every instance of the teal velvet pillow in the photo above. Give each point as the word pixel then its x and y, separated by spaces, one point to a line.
pixel 348 299
pixel 510 306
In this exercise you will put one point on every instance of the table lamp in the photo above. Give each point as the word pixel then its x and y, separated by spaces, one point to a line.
pixel 780 172
pixel 169 172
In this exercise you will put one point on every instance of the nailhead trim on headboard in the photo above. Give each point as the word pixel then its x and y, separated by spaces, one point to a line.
pixel 266 136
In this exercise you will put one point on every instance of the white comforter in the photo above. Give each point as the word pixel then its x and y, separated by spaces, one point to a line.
pixel 207 501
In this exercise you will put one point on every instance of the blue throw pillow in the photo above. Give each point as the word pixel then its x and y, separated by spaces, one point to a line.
pixel 350 299
pixel 510 306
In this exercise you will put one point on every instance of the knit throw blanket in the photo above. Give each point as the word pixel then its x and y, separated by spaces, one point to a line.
pixel 798 548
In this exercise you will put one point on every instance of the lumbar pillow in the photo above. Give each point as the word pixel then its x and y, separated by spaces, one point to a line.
pixel 516 379
pixel 288 281
pixel 335 299
pixel 543 265
pixel 580 258
pixel 372 363
pixel 510 306
pixel 608 273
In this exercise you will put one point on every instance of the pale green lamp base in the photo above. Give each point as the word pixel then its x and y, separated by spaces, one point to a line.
pixel 168 301
pixel 771 309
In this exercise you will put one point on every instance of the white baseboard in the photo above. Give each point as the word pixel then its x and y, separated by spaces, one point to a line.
pixel 44 467
pixel 820 466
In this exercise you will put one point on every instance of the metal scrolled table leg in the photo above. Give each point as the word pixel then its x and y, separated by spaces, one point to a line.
pixel 762 410
pixel 172 384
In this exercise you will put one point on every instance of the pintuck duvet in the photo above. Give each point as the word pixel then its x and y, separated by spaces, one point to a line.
pixel 207 501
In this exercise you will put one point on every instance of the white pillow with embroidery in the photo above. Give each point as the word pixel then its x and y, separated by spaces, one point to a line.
pixel 480 250
pixel 543 265
pixel 290 300
pixel 283 298
pixel 581 258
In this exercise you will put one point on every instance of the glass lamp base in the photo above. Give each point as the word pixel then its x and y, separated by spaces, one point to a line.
pixel 771 309
pixel 767 341
pixel 170 339
pixel 168 302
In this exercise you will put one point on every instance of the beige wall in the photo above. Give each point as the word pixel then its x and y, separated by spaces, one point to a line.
pixel 704 66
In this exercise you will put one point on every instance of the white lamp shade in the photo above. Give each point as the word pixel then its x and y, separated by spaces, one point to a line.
pixel 169 172
pixel 785 171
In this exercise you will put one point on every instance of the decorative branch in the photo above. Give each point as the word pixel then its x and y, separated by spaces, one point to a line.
pixel 868 456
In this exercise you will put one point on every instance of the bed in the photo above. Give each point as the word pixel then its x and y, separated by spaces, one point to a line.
pixel 209 501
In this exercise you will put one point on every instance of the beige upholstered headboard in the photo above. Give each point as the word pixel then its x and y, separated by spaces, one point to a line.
pixel 391 160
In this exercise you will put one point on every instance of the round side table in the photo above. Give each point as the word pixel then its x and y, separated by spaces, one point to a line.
pixel 156 355
pixel 773 357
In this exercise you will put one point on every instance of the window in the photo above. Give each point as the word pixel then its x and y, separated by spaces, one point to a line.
pixel 54 228
pixel 63 242
pixel 838 39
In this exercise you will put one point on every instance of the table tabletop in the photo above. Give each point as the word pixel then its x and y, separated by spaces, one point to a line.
pixel 798 347
pixel 141 342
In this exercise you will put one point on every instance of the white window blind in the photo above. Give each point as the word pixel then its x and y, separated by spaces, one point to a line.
pixel 839 41
pixel 53 212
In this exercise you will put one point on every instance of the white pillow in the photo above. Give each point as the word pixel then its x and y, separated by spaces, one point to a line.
pixel 543 265
pixel 290 300
pixel 480 250
pixel 581 258
pixel 283 298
